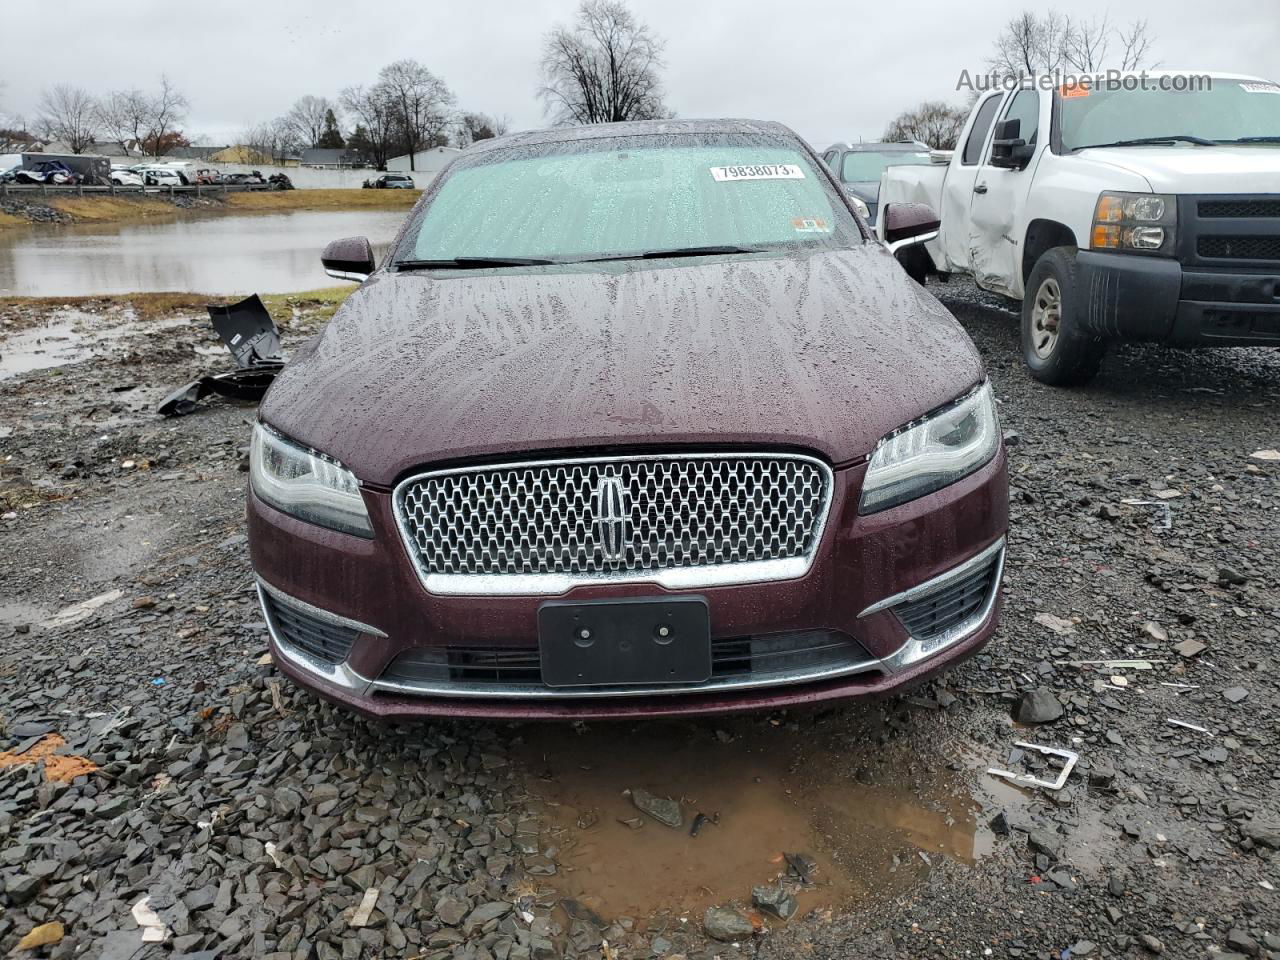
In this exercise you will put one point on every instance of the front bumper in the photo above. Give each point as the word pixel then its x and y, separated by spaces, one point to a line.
pixel 1132 297
pixel 941 553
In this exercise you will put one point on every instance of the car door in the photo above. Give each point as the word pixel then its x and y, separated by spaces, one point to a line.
pixel 999 201
pixel 957 188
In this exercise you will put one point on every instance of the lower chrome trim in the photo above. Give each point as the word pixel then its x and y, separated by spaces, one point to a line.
pixel 909 654
pixel 915 650
pixel 504 691
pixel 340 675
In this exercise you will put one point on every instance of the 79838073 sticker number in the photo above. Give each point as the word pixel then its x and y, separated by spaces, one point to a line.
pixel 759 171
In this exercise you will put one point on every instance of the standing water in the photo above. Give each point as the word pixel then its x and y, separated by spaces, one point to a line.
pixel 213 253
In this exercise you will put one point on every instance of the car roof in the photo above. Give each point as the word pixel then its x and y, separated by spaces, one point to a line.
pixel 886 146
pixel 630 128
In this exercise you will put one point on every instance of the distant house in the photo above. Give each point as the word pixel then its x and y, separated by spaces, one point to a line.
pixel 194 153
pixel 240 153
pixel 424 161
pixel 113 148
pixel 331 158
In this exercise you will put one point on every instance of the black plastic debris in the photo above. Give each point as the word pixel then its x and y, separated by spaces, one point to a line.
pixel 254 341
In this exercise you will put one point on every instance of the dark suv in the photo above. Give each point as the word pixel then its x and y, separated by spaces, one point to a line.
pixel 390 181
pixel 858 167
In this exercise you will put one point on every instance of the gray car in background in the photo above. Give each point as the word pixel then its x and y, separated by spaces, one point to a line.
pixel 858 166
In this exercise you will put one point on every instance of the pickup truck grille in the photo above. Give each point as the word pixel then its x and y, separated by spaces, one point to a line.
pixel 1229 231
pixel 1233 209
pixel 1239 248
pixel 681 520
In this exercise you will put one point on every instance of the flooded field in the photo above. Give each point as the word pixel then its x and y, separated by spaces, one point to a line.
pixel 203 253
pixel 832 819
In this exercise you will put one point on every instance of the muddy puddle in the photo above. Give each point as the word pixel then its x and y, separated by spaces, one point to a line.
pixel 872 820
pixel 71 336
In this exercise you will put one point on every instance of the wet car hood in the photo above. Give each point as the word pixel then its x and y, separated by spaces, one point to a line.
pixel 826 352
pixel 1193 169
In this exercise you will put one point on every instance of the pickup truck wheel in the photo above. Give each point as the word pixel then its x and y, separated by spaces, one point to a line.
pixel 1054 347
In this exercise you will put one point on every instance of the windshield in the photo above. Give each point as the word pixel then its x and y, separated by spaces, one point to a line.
pixel 1227 110
pixel 620 196
pixel 867 165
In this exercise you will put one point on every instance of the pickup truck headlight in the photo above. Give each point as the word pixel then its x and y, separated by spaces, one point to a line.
pixel 305 483
pixel 927 455
pixel 1134 223
pixel 861 206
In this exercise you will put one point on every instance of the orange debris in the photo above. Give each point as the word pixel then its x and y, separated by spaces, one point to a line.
pixel 63 769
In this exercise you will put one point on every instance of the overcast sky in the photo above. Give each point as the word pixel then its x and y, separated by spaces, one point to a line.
pixel 831 69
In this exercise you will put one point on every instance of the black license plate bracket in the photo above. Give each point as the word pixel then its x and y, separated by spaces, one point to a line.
pixel 648 640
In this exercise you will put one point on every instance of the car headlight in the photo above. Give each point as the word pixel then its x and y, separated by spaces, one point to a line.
pixel 1134 223
pixel 305 483
pixel 861 206
pixel 930 453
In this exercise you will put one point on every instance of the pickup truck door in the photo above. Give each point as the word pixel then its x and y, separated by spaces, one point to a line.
pixel 997 213
pixel 957 189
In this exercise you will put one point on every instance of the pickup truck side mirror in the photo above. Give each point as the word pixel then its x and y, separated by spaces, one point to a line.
pixel 348 259
pixel 908 224
pixel 1008 150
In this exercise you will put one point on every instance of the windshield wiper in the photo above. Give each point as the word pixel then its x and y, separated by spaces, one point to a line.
pixel 1153 141
pixel 1268 139
pixel 468 263
pixel 707 251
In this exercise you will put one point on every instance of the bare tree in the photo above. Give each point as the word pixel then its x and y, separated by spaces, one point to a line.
pixel 168 112
pixel 478 126
pixel 376 113
pixel 1136 42
pixel 69 114
pixel 1030 44
pixel 125 117
pixel 1085 44
pixel 422 102
pixel 603 68
pixel 270 142
pixel 307 119
pixel 1033 43
pixel 933 122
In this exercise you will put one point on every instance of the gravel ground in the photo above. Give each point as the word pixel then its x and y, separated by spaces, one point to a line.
pixel 164 792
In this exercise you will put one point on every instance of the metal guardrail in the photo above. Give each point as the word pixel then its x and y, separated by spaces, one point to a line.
pixel 85 190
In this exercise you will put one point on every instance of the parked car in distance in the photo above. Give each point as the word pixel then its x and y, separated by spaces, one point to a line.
pixel 125 177
pixel 208 176
pixel 1114 213
pixel 858 167
pixel 161 177
pixel 280 181
pixel 390 181
pixel 718 453
pixel 253 178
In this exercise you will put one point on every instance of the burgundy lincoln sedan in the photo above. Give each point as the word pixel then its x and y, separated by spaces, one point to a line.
pixel 633 419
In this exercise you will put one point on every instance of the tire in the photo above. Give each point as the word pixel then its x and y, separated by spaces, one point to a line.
pixel 1055 348
pixel 915 260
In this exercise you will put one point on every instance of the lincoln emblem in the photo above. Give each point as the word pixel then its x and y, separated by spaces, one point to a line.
pixel 613 520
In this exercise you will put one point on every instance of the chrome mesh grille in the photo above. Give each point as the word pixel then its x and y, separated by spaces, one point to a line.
pixel 696 519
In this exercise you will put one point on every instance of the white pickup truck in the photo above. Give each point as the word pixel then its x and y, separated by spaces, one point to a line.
pixel 1112 212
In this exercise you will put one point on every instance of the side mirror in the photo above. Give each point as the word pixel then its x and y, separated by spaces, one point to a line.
pixel 348 259
pixel 908 224
pixel 1008 150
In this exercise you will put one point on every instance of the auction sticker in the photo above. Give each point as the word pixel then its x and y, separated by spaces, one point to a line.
pixel 810 225
pixel 1251 87
pixel 758 171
